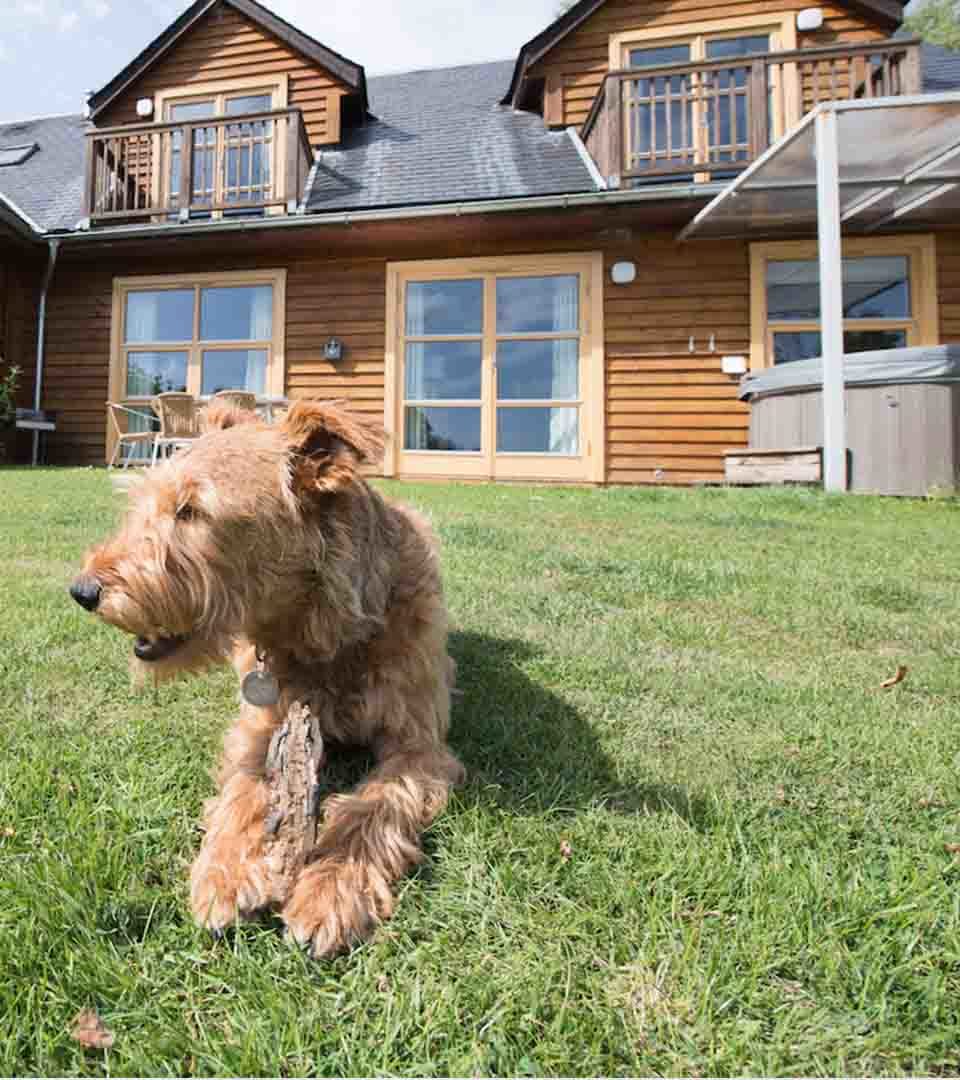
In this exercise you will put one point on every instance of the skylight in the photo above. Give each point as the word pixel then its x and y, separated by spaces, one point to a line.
pixel 17 155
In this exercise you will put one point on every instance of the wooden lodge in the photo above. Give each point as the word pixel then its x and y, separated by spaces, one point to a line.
pixel 493 248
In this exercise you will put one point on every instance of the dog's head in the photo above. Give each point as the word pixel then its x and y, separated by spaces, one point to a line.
pixel 227 536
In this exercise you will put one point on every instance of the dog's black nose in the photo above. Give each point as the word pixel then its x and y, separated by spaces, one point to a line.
pixel 86 592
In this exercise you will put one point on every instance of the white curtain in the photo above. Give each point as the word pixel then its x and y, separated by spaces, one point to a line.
pixel 566 368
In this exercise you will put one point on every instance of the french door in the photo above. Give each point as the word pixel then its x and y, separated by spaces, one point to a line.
pixel 701 116
pixel 233 164
pixel 496 369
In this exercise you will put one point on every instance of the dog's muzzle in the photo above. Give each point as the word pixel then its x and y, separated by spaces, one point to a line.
pixel 157 649
pixel 86 591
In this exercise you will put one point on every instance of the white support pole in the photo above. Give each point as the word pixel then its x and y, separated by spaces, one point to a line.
pixel 831 302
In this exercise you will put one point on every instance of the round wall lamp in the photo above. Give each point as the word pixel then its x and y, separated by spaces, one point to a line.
pixel 622 273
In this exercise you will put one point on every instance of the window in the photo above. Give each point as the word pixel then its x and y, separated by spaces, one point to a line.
pixel 197 334
pixel 496 365
pixel 235 163
pixel 889 297
pixel 702 115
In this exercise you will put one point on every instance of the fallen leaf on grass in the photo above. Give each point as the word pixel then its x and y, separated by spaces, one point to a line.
pixel 383 984
pixel 894 679
pixel 9 831
pixel 952 849
pixel 566 851
pixel 89 1030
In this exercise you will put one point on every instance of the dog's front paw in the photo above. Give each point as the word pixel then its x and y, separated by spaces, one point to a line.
pixel 335 905
pixel 222 892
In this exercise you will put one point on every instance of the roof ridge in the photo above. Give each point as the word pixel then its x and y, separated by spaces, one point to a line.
pixel 47 116
pixel 439 67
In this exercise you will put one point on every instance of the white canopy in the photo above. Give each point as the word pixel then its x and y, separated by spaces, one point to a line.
pixel 859 166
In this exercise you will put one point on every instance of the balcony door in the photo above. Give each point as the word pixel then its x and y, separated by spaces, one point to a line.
pixel 234 164
pixel 497 365
pixel 684 114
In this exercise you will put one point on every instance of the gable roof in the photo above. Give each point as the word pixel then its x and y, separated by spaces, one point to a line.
pixel 888 11
pixel 351 74
pixel 46 187
pixel 441 136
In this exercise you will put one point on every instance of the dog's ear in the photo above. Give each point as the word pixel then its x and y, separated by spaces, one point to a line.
pixel 218 416
pixel 329 444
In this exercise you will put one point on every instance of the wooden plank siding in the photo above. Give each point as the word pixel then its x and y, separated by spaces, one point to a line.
pixel 226 46
pixel 574 69
pixel 670 414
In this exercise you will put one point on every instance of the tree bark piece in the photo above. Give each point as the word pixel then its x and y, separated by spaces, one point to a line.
pixel 294 763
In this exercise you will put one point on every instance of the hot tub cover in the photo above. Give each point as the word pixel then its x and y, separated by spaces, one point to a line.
pixel 883 367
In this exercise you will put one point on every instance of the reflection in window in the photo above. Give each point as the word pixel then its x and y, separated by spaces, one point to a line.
pixel 523 430
pixel 151 373
pixel 874 287
pixel 234 369
pixel 444 307
pixel 442 429
pixel 443 370
pixel 538 304
pixel 538 369
pixel 805 344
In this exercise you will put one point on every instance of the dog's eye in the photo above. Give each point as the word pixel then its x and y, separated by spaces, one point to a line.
pixel 186 512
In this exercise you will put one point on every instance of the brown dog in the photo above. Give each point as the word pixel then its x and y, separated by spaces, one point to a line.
pixel 265 542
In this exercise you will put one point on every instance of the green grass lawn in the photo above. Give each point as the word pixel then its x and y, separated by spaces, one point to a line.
pixel 696 838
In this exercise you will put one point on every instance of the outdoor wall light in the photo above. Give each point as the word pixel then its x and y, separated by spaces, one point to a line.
pixel 145 107
pixel 622 273
pixel 333 349
pixel 810 18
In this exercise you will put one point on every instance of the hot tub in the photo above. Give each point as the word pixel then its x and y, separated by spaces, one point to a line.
pixel 902 409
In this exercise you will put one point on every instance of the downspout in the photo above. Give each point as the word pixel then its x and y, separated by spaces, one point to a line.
pixel 54 247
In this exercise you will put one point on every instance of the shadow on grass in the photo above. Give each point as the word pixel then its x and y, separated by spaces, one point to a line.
pixel 528 750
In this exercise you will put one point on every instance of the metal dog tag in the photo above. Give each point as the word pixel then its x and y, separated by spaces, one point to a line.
pixel 260 688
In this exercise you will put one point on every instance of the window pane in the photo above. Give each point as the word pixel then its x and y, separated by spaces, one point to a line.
pixel 538 304
pixel 537 431
pixel 657 55
pixel 866 340
pixel 234 369
pixel 806 344
pixel 445 307
pixel 150 373
pixel 238 313
pixel 443 369
pixel 797 346
pixel 793 290
pixel 193 110
pixel 722 48
pixel 442 429
pixel 251 103
pixel 874 287
pixel 159 315
pixel 538 369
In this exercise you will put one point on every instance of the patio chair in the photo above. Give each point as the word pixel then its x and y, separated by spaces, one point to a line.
pixel 119 421
pixel 242 399
pixel 179 422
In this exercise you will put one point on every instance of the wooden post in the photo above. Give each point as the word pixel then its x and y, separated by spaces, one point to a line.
pixel 90 177
pixel 291 134
pixel 185 192
pixel 614 109
pixel 910 74
pixel 757 108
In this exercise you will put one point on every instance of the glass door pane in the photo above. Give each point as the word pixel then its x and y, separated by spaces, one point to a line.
pixel 725 97
pixel 533 369
pixel 203 151
pixel 659 110
pixel 247 166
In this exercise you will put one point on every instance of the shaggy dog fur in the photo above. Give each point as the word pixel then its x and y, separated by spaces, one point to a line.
pixel 266 540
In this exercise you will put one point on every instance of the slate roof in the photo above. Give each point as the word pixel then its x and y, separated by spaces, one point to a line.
pixel 442 136
pixel 941 68
pixel 48 186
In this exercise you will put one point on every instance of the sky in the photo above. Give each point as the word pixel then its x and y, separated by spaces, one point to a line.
pixel 54 52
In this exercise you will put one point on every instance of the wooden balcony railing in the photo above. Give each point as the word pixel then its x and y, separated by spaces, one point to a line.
pixel 211 168
pixel 710 118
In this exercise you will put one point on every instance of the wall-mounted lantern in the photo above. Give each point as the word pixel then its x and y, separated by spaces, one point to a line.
pixel 145 107
pixel 333 350
pixel 623 273
pixel 810 18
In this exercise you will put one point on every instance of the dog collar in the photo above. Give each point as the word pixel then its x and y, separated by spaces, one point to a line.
pixel 260 687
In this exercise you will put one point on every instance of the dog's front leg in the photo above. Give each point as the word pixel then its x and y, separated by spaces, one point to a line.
pixel 369 840
pixel 230 876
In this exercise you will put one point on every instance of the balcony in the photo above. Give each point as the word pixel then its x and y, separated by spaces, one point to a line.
pixel 209 169
pixel 709 119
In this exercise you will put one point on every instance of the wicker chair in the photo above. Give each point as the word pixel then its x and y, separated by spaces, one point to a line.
pixel 242 399
pixel 179 422
pixel 120 423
